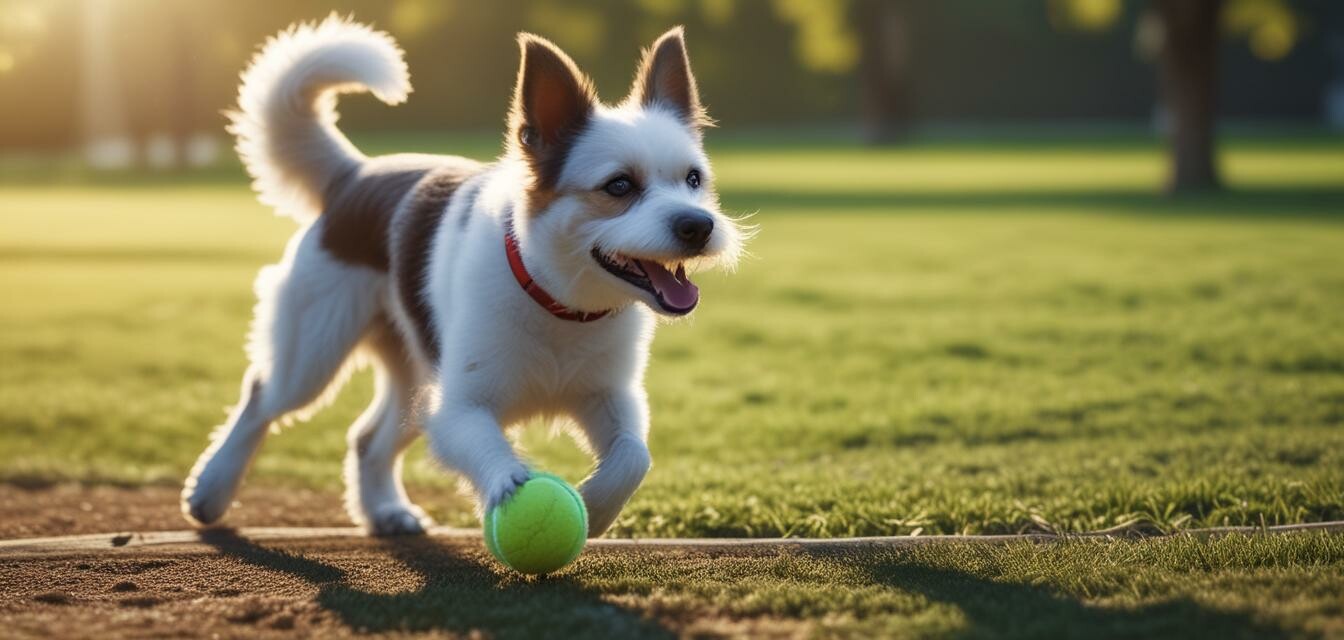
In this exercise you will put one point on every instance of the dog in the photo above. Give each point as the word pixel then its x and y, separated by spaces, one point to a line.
pixel 482 294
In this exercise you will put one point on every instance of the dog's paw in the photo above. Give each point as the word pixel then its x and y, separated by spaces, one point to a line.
pixel 501 487
pixel 399 520
pixel 203 506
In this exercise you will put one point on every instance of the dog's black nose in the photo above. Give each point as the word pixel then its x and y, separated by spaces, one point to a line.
pixel 693 229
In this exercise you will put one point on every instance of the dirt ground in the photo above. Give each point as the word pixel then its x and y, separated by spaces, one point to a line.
pixel 334 583
pixel 73 509
pixel 236 587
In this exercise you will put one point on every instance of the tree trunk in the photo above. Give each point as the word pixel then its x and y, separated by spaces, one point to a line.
pixel 107 139
pixel 884 69
pixel 1189 85
pixel 184 43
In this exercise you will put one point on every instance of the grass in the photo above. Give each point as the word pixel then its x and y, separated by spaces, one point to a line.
pixel 1228 588
pixel 934 339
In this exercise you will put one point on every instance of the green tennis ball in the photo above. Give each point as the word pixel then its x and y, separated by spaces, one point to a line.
pixel 542 528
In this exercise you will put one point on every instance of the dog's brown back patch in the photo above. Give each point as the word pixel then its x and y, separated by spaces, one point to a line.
pixel 412 241
pixel 358 208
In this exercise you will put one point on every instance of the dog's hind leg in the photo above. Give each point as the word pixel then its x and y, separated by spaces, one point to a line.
pixel 311 311
pixel 374 495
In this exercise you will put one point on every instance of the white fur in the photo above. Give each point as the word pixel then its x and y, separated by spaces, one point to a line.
pixel 663 149
pixel 312 312
pixel 503 358
pixel 286 117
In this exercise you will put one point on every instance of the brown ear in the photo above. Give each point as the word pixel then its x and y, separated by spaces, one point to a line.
pixel 552 99
pixel 664 79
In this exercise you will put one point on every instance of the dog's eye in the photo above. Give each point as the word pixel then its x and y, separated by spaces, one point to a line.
pixel 619 187
pixel 693 179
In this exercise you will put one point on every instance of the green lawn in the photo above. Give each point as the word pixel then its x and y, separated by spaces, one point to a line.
pixel 1234 587
pixel 933 339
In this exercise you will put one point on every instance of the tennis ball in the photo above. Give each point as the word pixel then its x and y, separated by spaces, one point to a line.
pixel 542 528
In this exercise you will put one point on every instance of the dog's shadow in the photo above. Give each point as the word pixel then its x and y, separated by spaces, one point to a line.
pixel 993 609
pixel 460 595
pixel 457 594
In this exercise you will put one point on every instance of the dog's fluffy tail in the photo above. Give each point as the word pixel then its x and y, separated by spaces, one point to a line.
pixel 286 117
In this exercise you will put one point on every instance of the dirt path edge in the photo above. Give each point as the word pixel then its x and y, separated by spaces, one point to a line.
pixel 190 540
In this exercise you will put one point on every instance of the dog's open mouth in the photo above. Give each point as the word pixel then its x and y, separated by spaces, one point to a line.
pixel 675 293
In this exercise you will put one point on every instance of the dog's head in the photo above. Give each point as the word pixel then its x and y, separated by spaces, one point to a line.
pixel 620 199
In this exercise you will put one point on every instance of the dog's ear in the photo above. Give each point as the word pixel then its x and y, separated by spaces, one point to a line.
pixel 552 99
pixel 664 79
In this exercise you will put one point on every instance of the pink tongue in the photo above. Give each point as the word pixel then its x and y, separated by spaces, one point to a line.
pixel 677 290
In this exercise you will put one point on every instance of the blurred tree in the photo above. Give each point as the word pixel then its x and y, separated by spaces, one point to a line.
pixel 1189 73
pixel 886 105
pixel 760 63
pixel 1182 36
pixel 107 141
pixel 835 36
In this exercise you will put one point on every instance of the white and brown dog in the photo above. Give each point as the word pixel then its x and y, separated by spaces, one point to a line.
pixel 482 294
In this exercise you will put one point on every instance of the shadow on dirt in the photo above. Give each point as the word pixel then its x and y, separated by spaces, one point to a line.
pixel 420 584
pixel 456 593
pixel 1008 610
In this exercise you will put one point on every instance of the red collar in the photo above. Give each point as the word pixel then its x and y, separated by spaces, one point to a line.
pixel 533 289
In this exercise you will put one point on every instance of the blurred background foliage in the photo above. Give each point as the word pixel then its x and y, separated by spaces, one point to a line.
pixel 761 62
pixel 143 77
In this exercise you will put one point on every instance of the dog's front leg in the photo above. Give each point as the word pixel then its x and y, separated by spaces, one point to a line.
pixel 469 440
pixel 616 425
